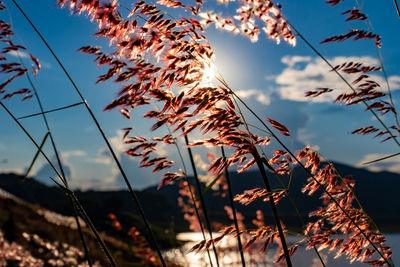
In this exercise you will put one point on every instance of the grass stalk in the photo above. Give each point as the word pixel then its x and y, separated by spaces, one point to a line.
pixel 62 178
pixel 307 171
pixel 344 80
pixel 49 111
pixel 263 173
pixel 113 154
pixel 36 155
pixel 60 165
pixel 202 202
pixel 380 159
pixel 368 23
pixel 295 207
pixel 192 197
pixel 87 255
pixel 235 220
pixel 397 8
pixel 264 177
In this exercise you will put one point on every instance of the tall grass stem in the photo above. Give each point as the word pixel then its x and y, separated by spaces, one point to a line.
pixel 49 111
pixel 235 220
pixel 76 201
pixel 128 184
pixel 202 202
pixel 308 172
pixel 344 80
pixel 263 172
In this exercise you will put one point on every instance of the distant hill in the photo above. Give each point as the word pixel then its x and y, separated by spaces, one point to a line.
pixel 377 193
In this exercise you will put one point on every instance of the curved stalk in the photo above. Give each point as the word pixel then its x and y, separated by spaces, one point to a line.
pixel 235 220
pixel 192 197
pixel 308 172
pixel 344 80
pixel 202 202
pixel 113 154
pixel 91 226
pixel 260 166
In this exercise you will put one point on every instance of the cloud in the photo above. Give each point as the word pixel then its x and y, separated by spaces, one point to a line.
pixel 19 171
pixel 200 163
pixel 303 74
pixel 292 60
pixel 73 153
pixel 390 164
pixel 25 55
pixel 104 155
pixel 44 173
pixel 18 53
pixel 259 95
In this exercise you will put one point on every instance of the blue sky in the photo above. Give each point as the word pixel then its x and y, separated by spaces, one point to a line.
pixel 271 78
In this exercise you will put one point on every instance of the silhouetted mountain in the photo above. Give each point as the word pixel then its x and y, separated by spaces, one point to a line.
pixel 376 191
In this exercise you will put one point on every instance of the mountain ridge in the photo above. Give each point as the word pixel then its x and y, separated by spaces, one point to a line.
pixel 377 192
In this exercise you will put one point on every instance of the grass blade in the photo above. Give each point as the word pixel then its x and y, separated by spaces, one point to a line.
pixel 202 202
pixel 380 159
pixel 37 154
pixel 49 111
pixel 205 190
pixel 235 220
pixel 397 7
pixel 113 154
pixel 109 257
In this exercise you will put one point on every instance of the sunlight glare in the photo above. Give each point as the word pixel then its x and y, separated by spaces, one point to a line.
pixel 209 72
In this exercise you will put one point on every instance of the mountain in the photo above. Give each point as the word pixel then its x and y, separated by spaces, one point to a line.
pixel 376 191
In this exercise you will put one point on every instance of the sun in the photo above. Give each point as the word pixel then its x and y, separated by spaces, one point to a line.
pixel 208 73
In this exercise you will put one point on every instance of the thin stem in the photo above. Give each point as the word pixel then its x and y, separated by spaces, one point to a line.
pixel 36 155
pixel 397 8
pixel 113 154
pixel 308 172
pixel 221 79
pixel 235 220
pixel 192 197
pixel 273 207
pixel 380 159
pixel 102 244
pixel 49 111
pixel 202 202
pixel 368 23
pixel 49 133
pixel 82 237
pixel 344 80
pixel 295 208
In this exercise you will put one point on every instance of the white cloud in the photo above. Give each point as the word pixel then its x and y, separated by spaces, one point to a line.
pixel 19 171
pixel 119 147
pixel 259 95
pixel 200 163
pixel 25 55
pixel 20 54
pixel 292 60
pixel 98 184
pixel 73 153
pixel 45 171
pixel 303 74
pixel 390 164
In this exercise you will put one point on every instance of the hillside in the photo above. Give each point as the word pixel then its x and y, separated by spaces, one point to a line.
pixel 376 191
pixel 33 236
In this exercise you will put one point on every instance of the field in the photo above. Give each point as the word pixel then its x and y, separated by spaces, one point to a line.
pixel 246 121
